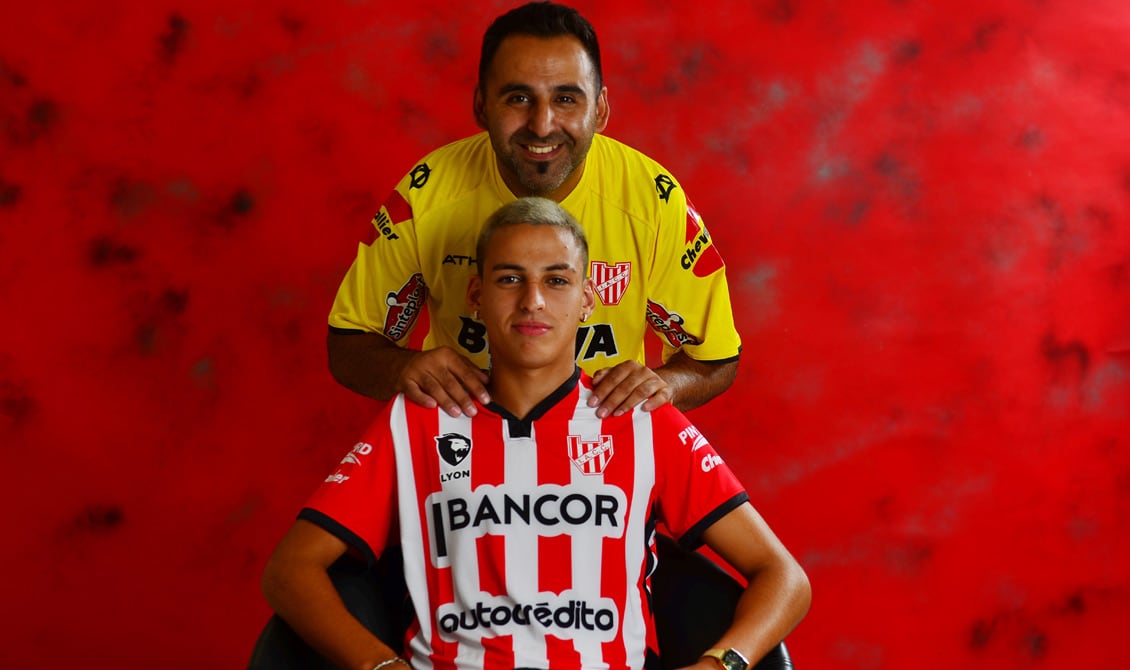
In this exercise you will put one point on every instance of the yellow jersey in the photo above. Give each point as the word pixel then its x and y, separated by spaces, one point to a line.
pixel 652 260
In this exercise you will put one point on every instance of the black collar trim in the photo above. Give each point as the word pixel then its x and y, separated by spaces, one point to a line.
pixel 524 427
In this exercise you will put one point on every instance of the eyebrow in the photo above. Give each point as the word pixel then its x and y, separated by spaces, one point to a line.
pixel 526 88
pixel 556 267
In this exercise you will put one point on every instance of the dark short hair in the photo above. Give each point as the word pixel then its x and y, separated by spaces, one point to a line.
pixel 540 19
pixel 532 211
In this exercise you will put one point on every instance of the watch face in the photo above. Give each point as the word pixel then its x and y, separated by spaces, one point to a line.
pixel 734 661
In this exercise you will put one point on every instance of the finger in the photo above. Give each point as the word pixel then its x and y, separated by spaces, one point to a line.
pixel 473 381
pixel 627 394
pixel 413 393
pixel 448 391
pixel 607 379
pixel 658 399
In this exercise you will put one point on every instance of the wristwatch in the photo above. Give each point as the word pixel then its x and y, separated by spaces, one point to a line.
pixel 731 659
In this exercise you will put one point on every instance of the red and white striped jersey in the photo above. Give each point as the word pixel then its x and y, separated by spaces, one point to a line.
pixel 527 543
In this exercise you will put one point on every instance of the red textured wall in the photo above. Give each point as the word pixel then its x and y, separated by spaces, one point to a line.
pixel 924 210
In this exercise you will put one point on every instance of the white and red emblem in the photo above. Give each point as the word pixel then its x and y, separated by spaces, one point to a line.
pixel 590 456
pixel 611 280
pixel 669 324
pixel 404 307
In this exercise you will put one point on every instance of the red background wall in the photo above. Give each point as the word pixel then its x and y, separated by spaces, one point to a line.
pixel 923 207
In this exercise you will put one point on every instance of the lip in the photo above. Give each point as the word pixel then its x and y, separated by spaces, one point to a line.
pixel 539 151
pixel 531 328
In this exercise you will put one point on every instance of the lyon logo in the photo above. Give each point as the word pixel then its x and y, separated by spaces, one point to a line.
pixel 404 307
pixel 669 325
pixel 590 457
pixel 453 447
pixel 611 280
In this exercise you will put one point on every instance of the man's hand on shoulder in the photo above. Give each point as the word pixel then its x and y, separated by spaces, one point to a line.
pixel 618 389
pixel 681 381
pixel 442 377
pixel 375 366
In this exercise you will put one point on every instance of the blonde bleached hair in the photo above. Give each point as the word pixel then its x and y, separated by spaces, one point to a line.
pixel 531 211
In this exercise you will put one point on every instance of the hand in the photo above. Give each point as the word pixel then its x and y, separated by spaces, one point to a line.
pixel 618 389
pixel 442 377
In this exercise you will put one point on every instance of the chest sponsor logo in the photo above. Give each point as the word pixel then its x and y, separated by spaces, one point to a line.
pixel 547 510
pixel 693 436
pixel 591 456
pixel 404 307
pixel 396 210
pixel 711 461
pixel 611 281
pixel 669 325
pixel 699 254
pixel 453 447
pixel 568 615
pixel 595 340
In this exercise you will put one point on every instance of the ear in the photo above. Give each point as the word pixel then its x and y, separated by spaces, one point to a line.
pixel 588 297
pixel 602 110
pixel 478 107
pixel 474 291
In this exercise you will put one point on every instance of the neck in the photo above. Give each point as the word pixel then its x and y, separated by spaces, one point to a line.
pixel 519 391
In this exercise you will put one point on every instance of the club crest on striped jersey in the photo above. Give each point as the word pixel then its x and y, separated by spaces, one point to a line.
pixel 591 456
pixel 610 280
pixel 453 447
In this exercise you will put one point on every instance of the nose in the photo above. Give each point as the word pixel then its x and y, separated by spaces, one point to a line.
pixel 532 298
pixel 541 119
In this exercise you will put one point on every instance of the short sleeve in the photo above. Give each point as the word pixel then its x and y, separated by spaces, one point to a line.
pixel 695 487
pixel 688 304
pixel 356 502
pixel 384 290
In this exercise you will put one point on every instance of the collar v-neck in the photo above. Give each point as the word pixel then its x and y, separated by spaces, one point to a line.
pixel 524 427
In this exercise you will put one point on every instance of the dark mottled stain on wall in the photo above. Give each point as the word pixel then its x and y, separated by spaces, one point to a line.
pixel 42 116
pixel 778 11
pixel 985 34
pixel 1036 643
pixel 239 206
pixel 12 76
pixel 173 302
pixel 902 179
pixel 104 251
pixel 907 51
pixel 155 316
pixel 241 203
pixel 1076 603
pixel 981 633
pixel 9 193
pixel 171 42
pixel 1070 359
pixel 17 405
pixel 292 24
pixel 130 198
pixel 1031 139
pixel 99 518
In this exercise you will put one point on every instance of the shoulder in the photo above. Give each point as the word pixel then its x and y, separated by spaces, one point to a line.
pixel 635 180
pixel 449 172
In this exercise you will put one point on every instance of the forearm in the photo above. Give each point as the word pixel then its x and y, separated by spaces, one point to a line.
pixel 367 363
pixel 308 602
pixel 694 383
pixel 296 585
pixel 770 608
